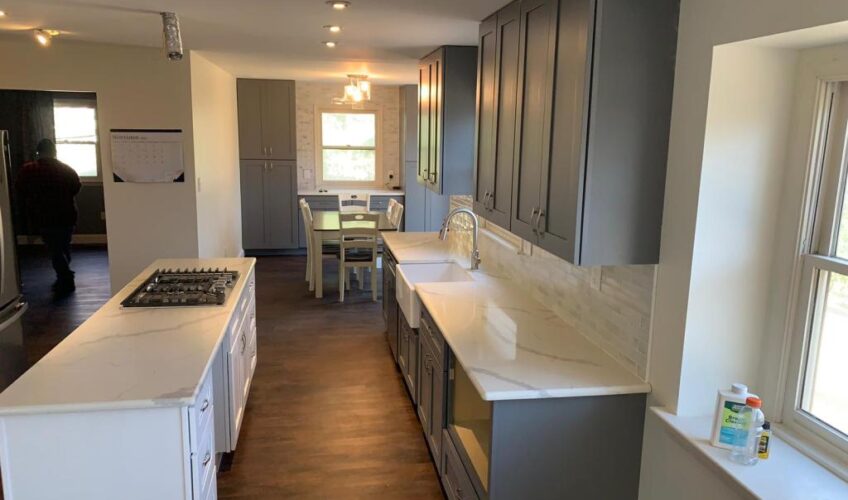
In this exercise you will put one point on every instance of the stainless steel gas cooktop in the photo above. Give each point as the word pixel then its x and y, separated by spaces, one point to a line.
pixel 184 288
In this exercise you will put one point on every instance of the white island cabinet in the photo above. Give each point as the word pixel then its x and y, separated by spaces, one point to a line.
pixel 136 403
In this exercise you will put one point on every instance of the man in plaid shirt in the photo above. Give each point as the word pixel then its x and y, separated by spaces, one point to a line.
pixel 48 188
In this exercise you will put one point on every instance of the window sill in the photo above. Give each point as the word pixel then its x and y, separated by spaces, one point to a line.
pixel 787 474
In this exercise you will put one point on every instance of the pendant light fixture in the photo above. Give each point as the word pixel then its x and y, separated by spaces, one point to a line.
pixel 173 38
pixel 357 91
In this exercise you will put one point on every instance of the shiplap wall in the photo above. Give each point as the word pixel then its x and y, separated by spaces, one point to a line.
pixel 611 306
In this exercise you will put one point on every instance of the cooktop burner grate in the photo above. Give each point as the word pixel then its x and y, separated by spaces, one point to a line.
pixel 184 288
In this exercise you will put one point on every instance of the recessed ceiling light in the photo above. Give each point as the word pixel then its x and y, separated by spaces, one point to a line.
pixel 333 28
pixel 2 13
pixel 329 44
pixel 338 4
pixel 44 37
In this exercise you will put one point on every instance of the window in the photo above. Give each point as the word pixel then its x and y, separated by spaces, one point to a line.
pixel 349 147
pixel 817 402
pixel 75 129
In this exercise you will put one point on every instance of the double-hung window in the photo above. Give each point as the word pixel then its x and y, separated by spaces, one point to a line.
pixel 349 148
pixel 75 129
pixel 817 395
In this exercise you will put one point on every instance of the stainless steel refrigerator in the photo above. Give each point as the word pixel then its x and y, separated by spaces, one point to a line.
pixel 12 305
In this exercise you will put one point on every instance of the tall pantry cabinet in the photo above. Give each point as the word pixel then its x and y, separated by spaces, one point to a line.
pixel 578 93
pixel 268 152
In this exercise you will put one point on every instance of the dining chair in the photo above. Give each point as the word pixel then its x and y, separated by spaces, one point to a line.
pixel 350 202
pixel 314 256
pixel 358 248
pixel 395 213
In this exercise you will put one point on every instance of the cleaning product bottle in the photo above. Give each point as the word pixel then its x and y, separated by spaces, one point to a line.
pixel 728 405
pixel 746 446
pixel 765 438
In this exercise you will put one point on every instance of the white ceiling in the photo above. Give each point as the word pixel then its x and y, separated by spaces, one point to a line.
pixel 271 38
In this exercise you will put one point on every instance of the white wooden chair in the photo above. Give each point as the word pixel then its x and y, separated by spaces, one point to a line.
pixel 357 248
pixel 314 256
pixel 395 213
pixel 350 202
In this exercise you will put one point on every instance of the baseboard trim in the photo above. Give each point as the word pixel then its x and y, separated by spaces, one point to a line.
pixel 76 239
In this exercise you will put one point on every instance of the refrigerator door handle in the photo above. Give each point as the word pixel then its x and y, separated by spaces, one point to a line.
pixel 20 309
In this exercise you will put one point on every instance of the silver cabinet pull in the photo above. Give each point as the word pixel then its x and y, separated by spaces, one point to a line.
pixel 533 218
pixel 204 406
pixel 243 343
pixel 207 458
pixel 539 220
pixel 271 149
pixel 491 201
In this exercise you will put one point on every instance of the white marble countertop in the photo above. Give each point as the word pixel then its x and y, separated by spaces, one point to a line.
pixel 512 347
pixel 130 357
pixel 335 192
pixel 417 248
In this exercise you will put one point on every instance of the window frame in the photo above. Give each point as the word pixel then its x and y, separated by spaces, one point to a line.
pixel 824 196
pixel 378 147
pixel 82 102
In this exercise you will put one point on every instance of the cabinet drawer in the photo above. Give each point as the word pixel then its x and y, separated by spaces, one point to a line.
pixel 203 410
pixel 455 480
pixel 205 467
pixel 433 337
pixel 381 203
pixel 326 202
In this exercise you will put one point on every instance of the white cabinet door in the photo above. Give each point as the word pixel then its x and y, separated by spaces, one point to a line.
pixel 236 369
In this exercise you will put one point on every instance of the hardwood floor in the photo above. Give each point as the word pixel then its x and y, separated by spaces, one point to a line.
pixel 51 319
pixel 328 416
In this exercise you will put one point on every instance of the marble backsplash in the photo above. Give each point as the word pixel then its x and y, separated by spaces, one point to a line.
pixel 611 306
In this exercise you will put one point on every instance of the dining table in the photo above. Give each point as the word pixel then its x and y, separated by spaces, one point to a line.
pixel 325 226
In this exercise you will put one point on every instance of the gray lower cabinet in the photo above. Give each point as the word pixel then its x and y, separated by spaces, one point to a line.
pixel 408 356
pixel 431 387
pixel 391 310
pixel 551 448
pixel 269 201
pixel 579 92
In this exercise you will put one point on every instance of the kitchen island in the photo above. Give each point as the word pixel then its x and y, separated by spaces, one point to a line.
pixel 134 394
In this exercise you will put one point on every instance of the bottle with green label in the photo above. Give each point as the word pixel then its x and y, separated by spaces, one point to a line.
pixel 727 422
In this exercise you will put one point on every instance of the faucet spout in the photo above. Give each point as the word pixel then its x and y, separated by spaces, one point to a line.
pixel 475 223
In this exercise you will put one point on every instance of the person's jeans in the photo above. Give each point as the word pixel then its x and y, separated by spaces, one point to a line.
pixel 58 241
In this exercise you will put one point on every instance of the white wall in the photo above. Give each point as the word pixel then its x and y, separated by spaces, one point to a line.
pixel 682 349
pixel 216 159
pixel 136 88
pixel 750 103
pixel 703 25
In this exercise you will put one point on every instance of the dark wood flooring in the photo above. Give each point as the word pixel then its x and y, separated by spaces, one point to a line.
pixel 328 416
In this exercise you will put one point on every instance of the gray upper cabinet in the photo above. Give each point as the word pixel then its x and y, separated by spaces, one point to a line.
pixel 447 83
pixel 591 120
pixel 266 115
pixel 536 50
pixel 496 108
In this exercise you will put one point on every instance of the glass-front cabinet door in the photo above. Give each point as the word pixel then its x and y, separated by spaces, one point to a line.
pixel 470 420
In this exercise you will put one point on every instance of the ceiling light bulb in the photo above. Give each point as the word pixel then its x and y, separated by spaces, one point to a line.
pixel 329 44
pixel 43 37
pixel 333 28
pixel 2 13
pixel 338 4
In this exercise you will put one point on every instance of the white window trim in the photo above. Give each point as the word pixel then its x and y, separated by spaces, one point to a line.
pixel 378 181
pixel 816 232
pixel 85 103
